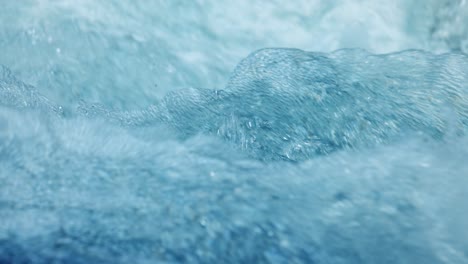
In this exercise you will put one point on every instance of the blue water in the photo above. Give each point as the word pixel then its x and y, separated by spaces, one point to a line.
pixel 246 132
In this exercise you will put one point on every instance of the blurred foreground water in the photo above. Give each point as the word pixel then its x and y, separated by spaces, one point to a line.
pixel 138 132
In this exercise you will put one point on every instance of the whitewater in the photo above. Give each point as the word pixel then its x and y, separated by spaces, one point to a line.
pixel 233 132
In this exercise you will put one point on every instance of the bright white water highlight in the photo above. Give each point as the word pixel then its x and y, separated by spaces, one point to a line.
pixel 129 135
pixel 79 49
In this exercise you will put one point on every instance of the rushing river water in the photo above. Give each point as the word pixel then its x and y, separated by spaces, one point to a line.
pixel 244 132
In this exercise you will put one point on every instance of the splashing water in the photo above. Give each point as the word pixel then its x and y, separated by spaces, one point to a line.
pixel 126 137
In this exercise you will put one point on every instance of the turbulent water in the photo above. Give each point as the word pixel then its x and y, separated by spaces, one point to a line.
pixel 178 132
